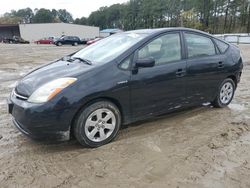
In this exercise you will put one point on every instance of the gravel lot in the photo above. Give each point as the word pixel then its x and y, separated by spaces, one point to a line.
pixel 199 147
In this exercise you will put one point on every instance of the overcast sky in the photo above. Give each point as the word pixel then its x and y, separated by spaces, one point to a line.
pixel 77 8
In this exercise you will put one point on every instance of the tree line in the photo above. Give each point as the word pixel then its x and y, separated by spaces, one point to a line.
pixel 42 15
pixel 214 16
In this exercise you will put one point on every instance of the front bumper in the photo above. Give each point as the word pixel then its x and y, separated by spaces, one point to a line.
pixel 40 121
pixel 22 128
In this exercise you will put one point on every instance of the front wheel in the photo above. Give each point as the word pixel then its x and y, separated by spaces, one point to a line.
pixel 225 93
pixel 97 124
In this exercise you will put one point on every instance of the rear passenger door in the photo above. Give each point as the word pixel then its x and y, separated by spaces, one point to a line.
pixel 205 67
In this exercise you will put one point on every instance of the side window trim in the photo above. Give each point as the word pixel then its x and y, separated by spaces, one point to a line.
pixel 200 34
pixel 184 45
pixel 217 50
pixel 158 36
pixel 220 52
pixel 131 56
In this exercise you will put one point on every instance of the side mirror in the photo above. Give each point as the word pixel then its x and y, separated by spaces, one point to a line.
pixel 146 62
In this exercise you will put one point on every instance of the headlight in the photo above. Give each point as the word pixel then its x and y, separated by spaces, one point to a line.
pixel 50 89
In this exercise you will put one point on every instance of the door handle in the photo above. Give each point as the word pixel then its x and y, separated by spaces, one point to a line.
pixel 220 65
pixel 180 73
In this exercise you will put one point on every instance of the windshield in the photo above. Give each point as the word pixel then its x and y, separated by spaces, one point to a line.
pixel 109 48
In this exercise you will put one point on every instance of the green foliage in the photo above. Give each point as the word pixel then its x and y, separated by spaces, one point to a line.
pixel 10 20
pixel 64 16
pixel 189 19
pixel 42 15
pixel 20 16
pixel 81 21
pixel 215 16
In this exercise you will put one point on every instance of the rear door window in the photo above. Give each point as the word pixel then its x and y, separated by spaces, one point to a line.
pixel 198 45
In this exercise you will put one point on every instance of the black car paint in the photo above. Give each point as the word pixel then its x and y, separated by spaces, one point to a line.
pixel 138 92
pixel 15 41
pixel 68 40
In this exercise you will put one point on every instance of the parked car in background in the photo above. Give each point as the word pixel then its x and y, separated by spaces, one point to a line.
pixel 93 41
pixel 45 41
pixel 55 39
pixel 68 40
pixel 125 78
pixel 15 40
pixel 84 41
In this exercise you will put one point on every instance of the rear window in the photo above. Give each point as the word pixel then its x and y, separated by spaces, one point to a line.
pixel 221 45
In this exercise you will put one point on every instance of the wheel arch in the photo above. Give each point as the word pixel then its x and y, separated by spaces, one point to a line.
pixel 92 101
pixel 233 77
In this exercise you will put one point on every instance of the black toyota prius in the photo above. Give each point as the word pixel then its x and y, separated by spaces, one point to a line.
pixel 124 78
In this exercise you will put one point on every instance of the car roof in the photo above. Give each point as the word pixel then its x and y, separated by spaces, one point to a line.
pixel 162 30
pixel 69 36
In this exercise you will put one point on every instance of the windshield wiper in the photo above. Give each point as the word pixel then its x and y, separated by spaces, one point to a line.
pixel 82 60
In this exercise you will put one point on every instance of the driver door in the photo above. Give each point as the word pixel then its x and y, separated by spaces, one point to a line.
pixel 160 88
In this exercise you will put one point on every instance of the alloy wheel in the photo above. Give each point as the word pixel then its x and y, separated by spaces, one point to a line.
pixel 226 92
pixel 100 124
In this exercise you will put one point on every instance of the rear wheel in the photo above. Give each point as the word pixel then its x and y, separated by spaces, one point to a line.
pixel 225 93
pixel 98 124
pixel 59 44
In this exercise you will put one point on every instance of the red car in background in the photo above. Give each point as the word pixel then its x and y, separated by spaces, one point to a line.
pixel 49 40
pixel 93 41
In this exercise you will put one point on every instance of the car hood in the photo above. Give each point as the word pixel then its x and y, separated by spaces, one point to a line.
pixel 49 72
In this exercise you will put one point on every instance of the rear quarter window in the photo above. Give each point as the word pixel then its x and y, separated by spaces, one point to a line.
pixel 221 45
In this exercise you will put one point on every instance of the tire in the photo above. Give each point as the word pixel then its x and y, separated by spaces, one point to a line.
pixel 97 124
pixel 59 44
pixel 75 44
pixel 225 94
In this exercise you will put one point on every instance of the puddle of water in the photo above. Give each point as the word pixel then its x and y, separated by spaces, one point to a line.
pixel 22 73
pixel 237 107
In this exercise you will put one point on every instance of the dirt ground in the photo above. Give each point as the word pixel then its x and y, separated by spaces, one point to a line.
pixel 199 147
